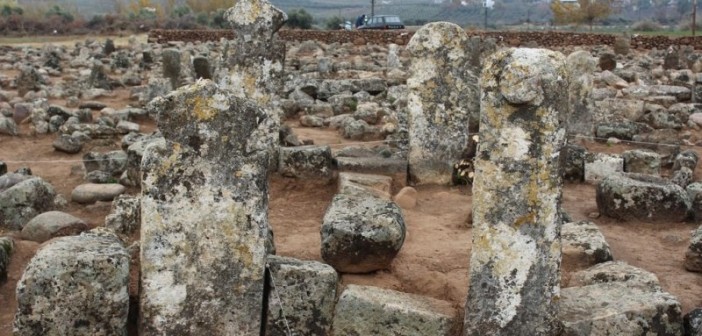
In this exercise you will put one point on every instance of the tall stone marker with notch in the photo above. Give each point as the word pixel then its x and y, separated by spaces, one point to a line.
pixel 204 216
pixel 515 261
pixel 580 120
pixel 443 91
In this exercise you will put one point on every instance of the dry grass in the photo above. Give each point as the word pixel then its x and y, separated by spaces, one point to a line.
pixel 66 40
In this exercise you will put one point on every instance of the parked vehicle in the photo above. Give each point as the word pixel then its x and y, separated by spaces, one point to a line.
pixel 383 22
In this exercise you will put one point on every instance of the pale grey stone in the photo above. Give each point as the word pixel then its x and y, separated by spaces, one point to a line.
pixel 125 217
pixel 362 184
pixel 642 162
pixel 583 245
pixel 90 193
pixel 581 66
pixel 23 201
pixel 52 224
pixel 306 162
pixel 616 271
pixel 600 165
pixel 365 310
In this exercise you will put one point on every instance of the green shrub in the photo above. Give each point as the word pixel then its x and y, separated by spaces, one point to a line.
pixel 334 22
pixel 646 26
pixel 299 19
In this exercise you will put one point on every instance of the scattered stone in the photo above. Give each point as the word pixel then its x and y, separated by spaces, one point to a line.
pixel 438 117
pixel 113 163
pixel 91 192
pixel 306 162
pixel 583 245
pixel 68 144
pixel 608 61
pixel 52 224
pixel 23 201
pixel 694 191
pixel 693 256
pixel 574 164
pixel 682 177
pixel 7 246
pixel 311 121
pixel 693 322
pixel 125 127
pixel 75 286
pixel 109 47
pixel 406 198
pixel 363 184
pixel 171 66
pixel 8 126
pixel 365 310
pixel 515 261
pixel 361 233
pixel 616 271
pixel 600 165
pixel 687 158
pixel 92 105
pixel 28 80
pixel 395 168
pixel 202 68
pixel 301 298
pixel 642 162
pixel 642 197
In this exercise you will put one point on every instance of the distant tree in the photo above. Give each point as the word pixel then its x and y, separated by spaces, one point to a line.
pixel 584 11
pixel 209 6
pixel 181 11
pixel 300 19
pixel 683 7
pixel 334 22
pixel 63 15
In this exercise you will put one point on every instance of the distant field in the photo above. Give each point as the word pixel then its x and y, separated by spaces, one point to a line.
pixel 67 40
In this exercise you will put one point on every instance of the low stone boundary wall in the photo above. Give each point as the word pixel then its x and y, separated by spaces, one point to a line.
pixel 549 39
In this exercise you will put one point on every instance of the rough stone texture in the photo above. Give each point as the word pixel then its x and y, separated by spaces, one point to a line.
pixel 516 256
pixel 693 322
pixel 90 193
pixel 687 158
pixel 75 286
pixel 365 310
pixel 395 168
pixel 693 255
pixel 68 144
pixel 23 201
pixel 616 271
pixel 113 163
pixel 618 309
pixel 28 80
pixel 7 246
pixel 642 162
pixel 581 66
pixel 204 218
pixel 302 297
pixel 573 157
pixel 125 217
pixel 52 224
pixel 583 245
pixel 361 233
pixel 363 184
pixel 694 192
pixel 642 197
pixel 202 68
pixel 443 97
pixel 171 66
pixel 306 162
pixel 600 165
pixel 682 177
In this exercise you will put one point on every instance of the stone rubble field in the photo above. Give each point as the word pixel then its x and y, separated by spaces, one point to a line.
pixel 452 186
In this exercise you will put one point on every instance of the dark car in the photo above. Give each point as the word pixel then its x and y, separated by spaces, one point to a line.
pixel 383 22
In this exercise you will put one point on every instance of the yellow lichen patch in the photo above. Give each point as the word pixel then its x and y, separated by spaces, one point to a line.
pixel 528 218
pixel 171 161
pixel 201 108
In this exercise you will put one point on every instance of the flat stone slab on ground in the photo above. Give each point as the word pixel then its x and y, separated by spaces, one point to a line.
pixel 618 309
pixel 90 193
pixel 365 310
pixel 361 184
pixel 395 168
pixel 616 271
pixel 52 224
pixel 307 162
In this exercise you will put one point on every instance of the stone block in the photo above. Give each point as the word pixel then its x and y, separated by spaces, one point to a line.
pixel 583 245
pixel 600 165
pixel 306 162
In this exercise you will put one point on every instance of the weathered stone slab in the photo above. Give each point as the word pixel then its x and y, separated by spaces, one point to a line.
pixel 395 168
pixel 581 66
pixel 75 286
pixel 24 200
pixel 362 184
pixel 642 162
pixel 302 297
pixel 204 216
pixel 125 217
pixel 443 95
pixel 516 256
pixel 642 197
pixel 306 162
pixel 365 310
pixel 616 271
pixel 693 256
pixel 52 224
pixel 617 309
pixel 583 245
pixel 601 165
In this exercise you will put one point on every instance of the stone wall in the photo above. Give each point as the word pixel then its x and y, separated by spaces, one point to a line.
pixel 548 39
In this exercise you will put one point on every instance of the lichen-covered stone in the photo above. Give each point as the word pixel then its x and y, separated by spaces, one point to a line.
pixel 516 256
pixel 642 162
pixel 125 217
pixel 75 286
pixel 693 322
pixel 361 233
pixel 23 201
pixel 583 245
pixel 616 271
pixel 682 177
pixel 694 191
pixel 306 162
pixel 687 158
pixel 204 219
pixel 693 255
pixel 365 310
pixel 581 66
pixel 617 309
pixel 443 95
pixel 90 193
pixel 171 67
pixel 642 197
pixel 113 163
pixel 574 162
pixel 7 246
pixel 301 298
pixel 601 165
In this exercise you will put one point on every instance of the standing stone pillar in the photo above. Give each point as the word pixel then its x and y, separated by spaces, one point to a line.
pixel 580 120
pixel 204 216
pixel 443 90
pixel 253 63
pixel 516 255
pixel 170 61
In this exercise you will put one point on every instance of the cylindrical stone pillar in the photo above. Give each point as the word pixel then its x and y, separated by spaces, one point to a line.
pixel 516 254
